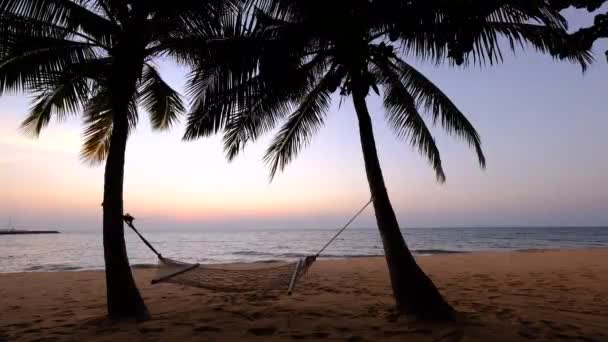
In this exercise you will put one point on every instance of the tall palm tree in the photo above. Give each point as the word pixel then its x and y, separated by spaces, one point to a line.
pixel 287 61
pixel 97 58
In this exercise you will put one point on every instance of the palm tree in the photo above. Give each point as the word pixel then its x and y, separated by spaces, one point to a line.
pixel 96 58
pixel 285 64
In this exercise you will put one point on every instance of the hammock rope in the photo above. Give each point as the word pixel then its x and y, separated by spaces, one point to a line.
pixel 345 226
pixel 235 277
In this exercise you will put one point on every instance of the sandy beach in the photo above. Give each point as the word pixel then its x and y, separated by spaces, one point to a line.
pixel 517 296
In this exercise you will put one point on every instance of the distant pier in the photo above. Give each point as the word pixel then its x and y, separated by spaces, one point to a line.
pixel 25 232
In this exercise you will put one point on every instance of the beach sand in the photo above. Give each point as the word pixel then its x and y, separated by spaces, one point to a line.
pixel 518 296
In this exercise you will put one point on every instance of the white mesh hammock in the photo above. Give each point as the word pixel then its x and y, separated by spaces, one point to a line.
pixel 235 277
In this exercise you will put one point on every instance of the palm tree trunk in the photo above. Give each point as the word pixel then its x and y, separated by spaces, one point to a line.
pixel 413 290
pixel 123 297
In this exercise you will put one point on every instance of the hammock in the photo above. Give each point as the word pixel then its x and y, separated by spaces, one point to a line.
pixel 235 277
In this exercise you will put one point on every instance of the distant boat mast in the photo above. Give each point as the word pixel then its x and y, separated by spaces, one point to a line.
pixel 10 226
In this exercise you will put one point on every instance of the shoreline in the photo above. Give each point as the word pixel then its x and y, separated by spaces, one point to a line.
pixel 55 268
pixel 537 296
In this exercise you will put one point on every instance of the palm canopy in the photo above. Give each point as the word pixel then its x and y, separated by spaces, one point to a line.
pixel 293 54
pixel 63 52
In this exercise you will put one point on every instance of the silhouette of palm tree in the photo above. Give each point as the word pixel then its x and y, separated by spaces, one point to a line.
pixel 95 58
pixel 285 59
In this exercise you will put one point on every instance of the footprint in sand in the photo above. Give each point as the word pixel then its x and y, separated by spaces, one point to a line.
pixel 98 306
pixel 259 314
pixel 329 289
pixel 183 324
pixel 391 333
pixel 317 335
pixel 355 339
pixel 263 331
pixel 32 331
pixel 504 313
pixel 45 339
pixel 61 333
pixel 320 334
pixel 591 276
pixel 480 276
pixel 525 322
pixel 206 328
pixel 453 336
pixel 575 338
pixel 515 283
pixel 526 335
pixel 146 330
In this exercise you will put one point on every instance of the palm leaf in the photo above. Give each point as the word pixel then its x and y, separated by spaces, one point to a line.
pixel 404 118
pixel 270 101
pixel 429 97
pixel 98 128
pixel 545 40
pixel 65 95
pixel 98 121
pixel 73 17
pixel 299 128
pixel 162 102
pixel 224 79
pixel 30 61
pixel 472 32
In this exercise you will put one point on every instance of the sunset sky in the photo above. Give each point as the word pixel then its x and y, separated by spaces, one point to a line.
pixel 543 124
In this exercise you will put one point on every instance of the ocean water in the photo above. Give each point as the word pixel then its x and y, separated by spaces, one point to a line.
pixel 83 250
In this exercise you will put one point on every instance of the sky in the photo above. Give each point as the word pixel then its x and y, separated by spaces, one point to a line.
pixel 543 126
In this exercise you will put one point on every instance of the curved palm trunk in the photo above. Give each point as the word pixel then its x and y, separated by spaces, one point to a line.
pixel 413 290
pixel 123 297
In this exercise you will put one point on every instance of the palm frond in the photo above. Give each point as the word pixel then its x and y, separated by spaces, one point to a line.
pixel 248 70
pixel 26 63
pixel 223 90
pixel 213 105
pixel 544 39
pixel 299 128
pixel 162 102
pixel 429 97
pixel 64 95
pixel 203 18
pixel 223 79
pixel 270 101
pixel 56 11
pixel 99 122
pixel 473 32
pixel 77 18
pixel 266 106
pixel 403 117
pixel 98 128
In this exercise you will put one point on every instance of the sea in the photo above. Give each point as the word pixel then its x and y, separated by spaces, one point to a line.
pixel 73 251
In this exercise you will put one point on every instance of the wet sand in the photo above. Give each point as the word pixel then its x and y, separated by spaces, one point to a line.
pixel 518 296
